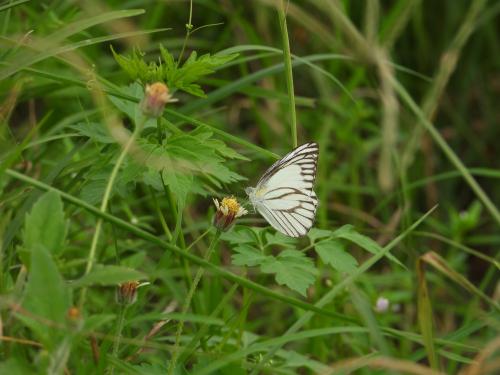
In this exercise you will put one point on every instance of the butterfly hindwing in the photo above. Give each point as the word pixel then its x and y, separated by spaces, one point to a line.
pixel 293 214
pixel 287 199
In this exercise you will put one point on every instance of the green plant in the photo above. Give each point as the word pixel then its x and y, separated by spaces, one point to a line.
pixel 110 260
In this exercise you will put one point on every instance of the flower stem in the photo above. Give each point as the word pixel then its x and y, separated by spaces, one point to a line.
pixel 185 308
pixel 118 334
pixel 104 205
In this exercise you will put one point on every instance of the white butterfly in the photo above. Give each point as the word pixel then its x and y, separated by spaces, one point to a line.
pixel 284 195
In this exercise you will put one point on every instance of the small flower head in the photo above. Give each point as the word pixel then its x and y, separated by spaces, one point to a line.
pixel 382 305
pixel 73 314
pixel 228 210
pixel 74 318
pixel 155 98
pixel 126 293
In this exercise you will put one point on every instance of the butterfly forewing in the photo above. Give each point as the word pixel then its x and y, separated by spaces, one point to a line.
pixel 297 167
pixel 287 200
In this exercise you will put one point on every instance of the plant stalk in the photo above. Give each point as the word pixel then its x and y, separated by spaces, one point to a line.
pixel 185 308
pixel 288 73
pixel 104 206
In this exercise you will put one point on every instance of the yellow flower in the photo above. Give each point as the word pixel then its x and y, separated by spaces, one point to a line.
pixel 155 98
pixel 228 210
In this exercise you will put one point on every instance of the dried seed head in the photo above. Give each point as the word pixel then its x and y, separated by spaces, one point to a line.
pixel 126 293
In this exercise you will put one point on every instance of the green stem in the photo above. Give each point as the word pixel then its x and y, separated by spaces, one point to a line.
pixel 118 334
pixel 104 205
pixel 185 308
pixel 288 72
pixel 163 222
pixel 189 27
pixel 154 239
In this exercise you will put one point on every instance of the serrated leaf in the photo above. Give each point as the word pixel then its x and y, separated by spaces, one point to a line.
pixel 348 232
pixel 181 77
pixel 179 183
pixel 192 70
pixel 45 225
pixel 189 160
pixel 248 255
pixel 193 89
pixel 108 275
pixel 293 269
pixel 93 191
pixel 152 178
pixel 136 68
pixel 333 252
pixel 239 235
pixel 315 234
pixel 47 297
pixel 131 109
pixel 279 239
pixel 93 130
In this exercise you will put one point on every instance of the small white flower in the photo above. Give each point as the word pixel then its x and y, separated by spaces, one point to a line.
pixel 382 305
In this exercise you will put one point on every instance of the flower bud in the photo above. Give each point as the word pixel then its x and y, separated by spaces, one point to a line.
pixel 155 98
pixel 382 304
pixel 126 294
pixel 73 314
pixel 228 210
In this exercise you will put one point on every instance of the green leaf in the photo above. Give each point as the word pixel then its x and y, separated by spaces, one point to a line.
pixel 192 70
pixel 348 232
pixel 136 67
pixel 130 108
pixel 14 366
pixel 333 252
pixel 279 239
pixel 177 77
pixel 248 256
pixel 240 235
pixel 47 298
pixel 293 269
pixel 95 321
pixel 188 161
pixel 95 131
pixel 315 234
pixel 45 225
pixel 179 183
pixel 108 275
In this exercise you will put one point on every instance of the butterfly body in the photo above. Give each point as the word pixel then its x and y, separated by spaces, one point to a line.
pixel 284 195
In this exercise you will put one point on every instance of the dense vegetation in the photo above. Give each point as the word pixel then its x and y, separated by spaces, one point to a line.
pixel 110 261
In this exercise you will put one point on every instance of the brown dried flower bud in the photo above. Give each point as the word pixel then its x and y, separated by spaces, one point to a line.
pixel 228 210
pixel 155 98
pixel 73 314
pixel 126 293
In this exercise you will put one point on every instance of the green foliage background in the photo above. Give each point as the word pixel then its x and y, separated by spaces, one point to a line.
pixel 402 97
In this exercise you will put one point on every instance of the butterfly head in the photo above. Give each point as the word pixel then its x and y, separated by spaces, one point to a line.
pixel 250 191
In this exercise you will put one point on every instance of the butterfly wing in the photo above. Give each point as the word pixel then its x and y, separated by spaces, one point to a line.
pixel 289 211
pixel 296 169
pixel 288 201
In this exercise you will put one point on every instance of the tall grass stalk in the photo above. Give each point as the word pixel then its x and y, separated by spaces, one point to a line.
pixel 288 72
